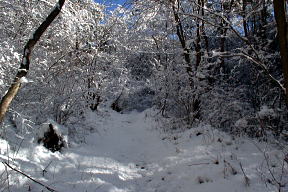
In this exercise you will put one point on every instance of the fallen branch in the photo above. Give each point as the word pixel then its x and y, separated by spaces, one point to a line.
pixel 199 164
pixel 246 178
pixel 24 174
pixel 45 169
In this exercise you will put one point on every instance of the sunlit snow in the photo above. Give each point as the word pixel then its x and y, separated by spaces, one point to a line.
pixel 128 154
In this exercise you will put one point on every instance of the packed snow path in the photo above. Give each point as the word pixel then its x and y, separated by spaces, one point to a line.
pixel 127 154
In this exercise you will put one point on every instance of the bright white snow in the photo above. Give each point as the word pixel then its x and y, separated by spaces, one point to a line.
pixel 128 154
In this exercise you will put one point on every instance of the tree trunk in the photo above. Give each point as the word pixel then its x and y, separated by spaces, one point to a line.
pixel 203 27
pixel 25 63
pixel 181 36
pixel 280 17
pixel 244 19
pixel 263 21
pixel 197 45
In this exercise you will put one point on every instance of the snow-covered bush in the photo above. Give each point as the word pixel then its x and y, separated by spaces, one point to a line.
pixel 53 136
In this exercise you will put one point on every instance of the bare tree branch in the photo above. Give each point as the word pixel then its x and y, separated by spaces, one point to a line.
pixel 258 64
pixel 24 174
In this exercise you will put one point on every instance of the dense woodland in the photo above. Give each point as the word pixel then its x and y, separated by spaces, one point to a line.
pixel 222 63
pixel 215 61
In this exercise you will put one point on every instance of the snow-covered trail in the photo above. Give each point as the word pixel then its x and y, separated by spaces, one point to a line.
pixel 130 138
pixel 127 154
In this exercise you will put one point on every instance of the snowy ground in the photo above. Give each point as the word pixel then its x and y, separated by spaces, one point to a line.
pixel 128 154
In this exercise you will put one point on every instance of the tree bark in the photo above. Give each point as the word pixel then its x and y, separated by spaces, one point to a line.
pixel 263 21
pixel 197 45
pixel 280 17
pixel 181 35
pixel 25 63
pixel 203 27
pixel 244 19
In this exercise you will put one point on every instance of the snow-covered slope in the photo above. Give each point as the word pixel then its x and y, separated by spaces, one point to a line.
pixel 127 153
